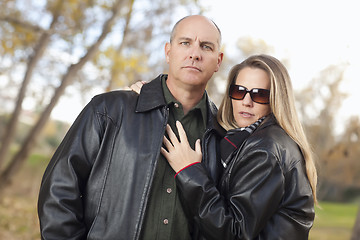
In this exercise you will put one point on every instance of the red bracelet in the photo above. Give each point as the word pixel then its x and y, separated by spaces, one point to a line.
pixel 185 167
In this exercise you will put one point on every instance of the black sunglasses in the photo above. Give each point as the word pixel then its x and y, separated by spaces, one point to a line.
pixel 258 95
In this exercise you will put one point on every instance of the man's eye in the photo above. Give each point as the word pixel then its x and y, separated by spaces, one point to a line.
pixel 184 43
pixel 206 47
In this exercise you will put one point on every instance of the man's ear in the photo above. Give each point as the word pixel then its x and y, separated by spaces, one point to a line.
pixel 220 59
pixel 167 51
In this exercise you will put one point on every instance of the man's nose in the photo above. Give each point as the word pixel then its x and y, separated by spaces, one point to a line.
pixel 195 54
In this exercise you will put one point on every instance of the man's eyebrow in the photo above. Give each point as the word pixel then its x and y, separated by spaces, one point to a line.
pixel 212 44
pixel 185 38
pixel 207 43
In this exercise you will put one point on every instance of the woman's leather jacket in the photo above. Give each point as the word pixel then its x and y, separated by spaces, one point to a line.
pixel 97 184
pixel 263 192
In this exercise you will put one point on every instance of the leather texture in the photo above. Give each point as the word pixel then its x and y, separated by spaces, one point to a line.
pixel 97 184
pixel 263 192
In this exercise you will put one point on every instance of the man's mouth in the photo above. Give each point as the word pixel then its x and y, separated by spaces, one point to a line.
pixel 193 68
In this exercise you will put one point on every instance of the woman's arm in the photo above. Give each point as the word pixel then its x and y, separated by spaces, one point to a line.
pixel 254 192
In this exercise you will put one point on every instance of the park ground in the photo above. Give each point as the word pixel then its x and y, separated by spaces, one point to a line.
pixel 18 210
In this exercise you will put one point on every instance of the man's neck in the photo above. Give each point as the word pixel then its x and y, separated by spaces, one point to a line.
pixel 188 96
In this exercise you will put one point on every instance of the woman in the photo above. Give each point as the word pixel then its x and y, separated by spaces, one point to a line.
pixel 268 185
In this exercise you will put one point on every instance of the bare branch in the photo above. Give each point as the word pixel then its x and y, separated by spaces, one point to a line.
pixel 23 24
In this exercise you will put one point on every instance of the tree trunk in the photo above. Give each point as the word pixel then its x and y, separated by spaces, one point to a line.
pixel 39 49
pixel 31 139
pixel 121 46
pixel 356 229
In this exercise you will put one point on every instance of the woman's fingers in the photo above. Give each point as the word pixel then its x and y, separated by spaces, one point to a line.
pixel 173 140
pixel 167 143
pixel 181 131
pixel 136 87
pixel 164 152
pixel 179 153
pixel 171 135
pixel 198 146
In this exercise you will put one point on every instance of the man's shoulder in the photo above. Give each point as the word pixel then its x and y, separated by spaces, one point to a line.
pixel 116 97
pixel 115 94
pixel 121 99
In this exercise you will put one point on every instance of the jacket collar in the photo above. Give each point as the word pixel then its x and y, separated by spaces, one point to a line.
pixel 269 120
pixel 212 122
pixel 151 96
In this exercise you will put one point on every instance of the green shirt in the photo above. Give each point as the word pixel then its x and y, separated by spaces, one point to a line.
pixel 165 218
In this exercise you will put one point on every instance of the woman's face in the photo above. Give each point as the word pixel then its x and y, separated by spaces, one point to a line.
pixel 246 111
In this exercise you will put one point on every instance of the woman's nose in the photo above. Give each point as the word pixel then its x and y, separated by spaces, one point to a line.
pixel 247 101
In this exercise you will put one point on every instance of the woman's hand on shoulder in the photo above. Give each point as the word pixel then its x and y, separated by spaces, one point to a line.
pixel 136 87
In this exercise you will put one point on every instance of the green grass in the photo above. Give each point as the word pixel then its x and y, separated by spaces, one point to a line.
pixel 18 215
pixel 38 160
pixel 333 221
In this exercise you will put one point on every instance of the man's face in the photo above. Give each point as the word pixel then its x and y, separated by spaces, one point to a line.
pixel 194 55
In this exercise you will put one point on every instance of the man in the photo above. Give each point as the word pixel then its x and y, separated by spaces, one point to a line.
pixel 107 179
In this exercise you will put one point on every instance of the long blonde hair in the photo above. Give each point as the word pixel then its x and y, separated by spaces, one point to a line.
pixel 282 104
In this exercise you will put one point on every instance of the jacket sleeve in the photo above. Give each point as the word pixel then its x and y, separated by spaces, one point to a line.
pixel 60 205
pixel 241 211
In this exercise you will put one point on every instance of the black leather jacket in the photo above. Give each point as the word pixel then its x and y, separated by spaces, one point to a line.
pixel 97 184
pixel 264 192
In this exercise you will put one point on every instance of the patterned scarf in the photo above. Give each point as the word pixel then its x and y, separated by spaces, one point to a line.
pixel 233 140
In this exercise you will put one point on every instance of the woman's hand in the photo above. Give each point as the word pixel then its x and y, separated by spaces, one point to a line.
pixel 136 87
pixel 179 153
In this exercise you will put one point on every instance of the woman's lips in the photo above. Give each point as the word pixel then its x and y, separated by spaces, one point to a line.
pixel 246 114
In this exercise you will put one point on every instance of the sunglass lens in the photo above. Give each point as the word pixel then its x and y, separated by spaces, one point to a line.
pixel 237 92
pixel 260 95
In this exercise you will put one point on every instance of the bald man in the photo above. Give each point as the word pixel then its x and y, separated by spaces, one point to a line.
pixel 108 179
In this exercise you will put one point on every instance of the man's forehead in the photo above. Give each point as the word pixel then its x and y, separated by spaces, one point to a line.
pixel 197 34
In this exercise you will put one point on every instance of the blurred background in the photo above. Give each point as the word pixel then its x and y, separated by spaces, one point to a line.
pixel 55 55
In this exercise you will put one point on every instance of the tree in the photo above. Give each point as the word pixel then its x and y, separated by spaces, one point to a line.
pixel 32 62
pixel 356 229
pixel 70 35
pixel 30 141
pixel 319 103
pixel 337 154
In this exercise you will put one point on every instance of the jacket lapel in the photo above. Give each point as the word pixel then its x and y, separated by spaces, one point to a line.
pixel 151 96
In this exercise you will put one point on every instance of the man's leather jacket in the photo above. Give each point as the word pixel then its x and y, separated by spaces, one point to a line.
pixel 97 184
pixel 264 192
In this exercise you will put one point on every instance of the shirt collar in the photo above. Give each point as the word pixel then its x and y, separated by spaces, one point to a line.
pixel 171 100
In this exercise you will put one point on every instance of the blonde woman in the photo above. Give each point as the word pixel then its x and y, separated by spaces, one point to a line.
pixel 267 187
